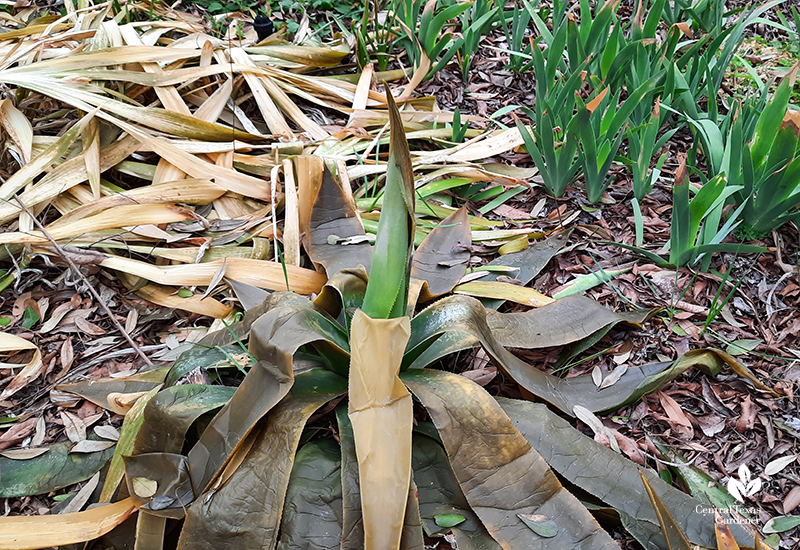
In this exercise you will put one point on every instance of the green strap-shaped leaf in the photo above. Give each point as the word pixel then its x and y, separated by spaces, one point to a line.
pixel 245 512
pixel 771 118
pixel 387 289
pixel 499 472
pixel 312 515
pixel 440 494
pixel 610 477
pixel 463 323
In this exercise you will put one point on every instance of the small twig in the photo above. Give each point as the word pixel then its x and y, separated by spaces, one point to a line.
pixel 94 293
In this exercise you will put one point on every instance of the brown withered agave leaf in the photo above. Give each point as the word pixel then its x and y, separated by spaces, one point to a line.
pixel 32 532
pixel 97 391
pixel 328 212
pixel 462 323
pixel 441 260
pixel 275 337
pixel 317 511
pixel 500 473
pixel 380 407
pixel 440 494
pixel 352 520
pixel 315 491
pixel 351 525
pixel 530 262
pixel 610 477
pixel 245 511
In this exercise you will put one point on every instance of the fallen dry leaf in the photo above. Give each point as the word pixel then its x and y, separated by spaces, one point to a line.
pixel 792 500
pixel 31 371
pixel 17 433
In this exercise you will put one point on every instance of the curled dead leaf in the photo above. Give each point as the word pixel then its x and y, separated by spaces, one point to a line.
pixel 121 403
pixel 9 345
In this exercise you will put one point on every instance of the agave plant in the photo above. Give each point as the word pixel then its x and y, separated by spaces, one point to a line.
pixel 483 468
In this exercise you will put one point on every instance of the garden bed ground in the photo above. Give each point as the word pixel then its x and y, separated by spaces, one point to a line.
pixel 718 424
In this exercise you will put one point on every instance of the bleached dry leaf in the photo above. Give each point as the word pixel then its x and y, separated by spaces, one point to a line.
pixel 74 426
pixel 602 434
pixel 41 432
pixel 18 129
pixel 107 432
pixel 614 376
pixel 24 454
pixel 83 496
pixel 91 446
pixel 775 466
pixel 144 487
pixel 121 403
pixel 597 375
pixel 30 371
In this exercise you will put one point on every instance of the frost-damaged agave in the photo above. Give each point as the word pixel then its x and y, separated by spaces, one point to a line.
pixel 484 468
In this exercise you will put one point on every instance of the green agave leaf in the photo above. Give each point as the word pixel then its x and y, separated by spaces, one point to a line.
pixel 352 520
pixel 245 512
pixel 168 416
pixel 441 260
pixel 312 515
pixel 387 290
pixel 200 357
pixel 53 470
pixel 611 477
pixel 461 322
pixel 499 472
pixel 441 496
pixel 530 262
